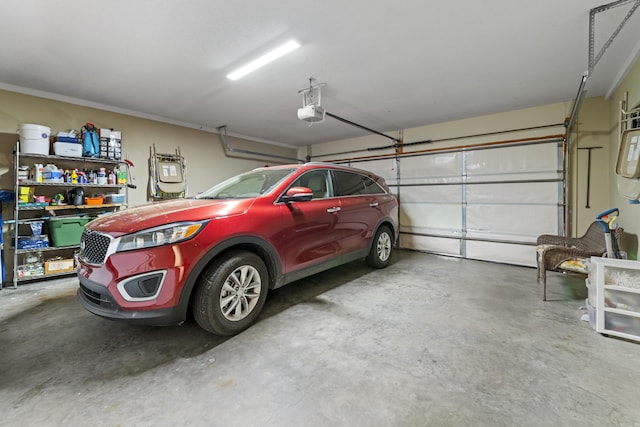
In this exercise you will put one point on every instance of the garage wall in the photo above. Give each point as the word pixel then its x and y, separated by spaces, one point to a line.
pixel 591 131
pixel 487 203
pixel 205 158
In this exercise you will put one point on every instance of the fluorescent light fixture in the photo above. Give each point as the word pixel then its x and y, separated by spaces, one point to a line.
pixel 264 60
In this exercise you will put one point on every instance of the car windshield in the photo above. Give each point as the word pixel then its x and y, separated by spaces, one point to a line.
pixel 247 185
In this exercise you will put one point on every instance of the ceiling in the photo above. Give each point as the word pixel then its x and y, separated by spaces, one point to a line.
pixel 386 65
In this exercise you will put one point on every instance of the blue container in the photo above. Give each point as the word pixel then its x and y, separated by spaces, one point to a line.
pixel 67 139
pixel 30 242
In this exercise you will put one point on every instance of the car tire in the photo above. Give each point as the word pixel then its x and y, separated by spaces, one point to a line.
pixel 230 293
pixel 381 248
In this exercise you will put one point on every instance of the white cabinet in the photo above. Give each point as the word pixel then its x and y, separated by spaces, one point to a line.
pixel 617 287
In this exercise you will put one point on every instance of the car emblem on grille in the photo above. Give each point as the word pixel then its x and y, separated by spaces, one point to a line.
pixel 83 244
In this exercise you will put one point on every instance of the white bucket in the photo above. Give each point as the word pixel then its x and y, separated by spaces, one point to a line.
pixel 34 139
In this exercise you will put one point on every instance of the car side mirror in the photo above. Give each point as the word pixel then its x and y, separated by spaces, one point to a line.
pixel 298 194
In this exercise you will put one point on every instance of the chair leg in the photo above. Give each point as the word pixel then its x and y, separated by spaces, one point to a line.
pixel 542 274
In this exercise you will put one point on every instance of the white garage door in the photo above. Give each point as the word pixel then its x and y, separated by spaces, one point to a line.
pixel 487 203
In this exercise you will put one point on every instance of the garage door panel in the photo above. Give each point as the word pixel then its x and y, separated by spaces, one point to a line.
pixel 432 194
pixel 515 220
pixel 502 252
pixel 518 192
pixel 445 167
pixel 421 217
pixel 430 244
pixel 529 158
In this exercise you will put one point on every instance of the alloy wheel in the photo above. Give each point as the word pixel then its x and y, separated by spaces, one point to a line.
pixel 240 293
pixel 383 246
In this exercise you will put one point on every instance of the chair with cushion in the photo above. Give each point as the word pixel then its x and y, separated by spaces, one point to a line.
pixel 568 254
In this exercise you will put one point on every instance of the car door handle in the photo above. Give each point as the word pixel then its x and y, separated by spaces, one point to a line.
pixel 334 210
pixel 373 205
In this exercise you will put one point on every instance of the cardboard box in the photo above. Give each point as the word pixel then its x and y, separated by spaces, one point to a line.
pixel 63 265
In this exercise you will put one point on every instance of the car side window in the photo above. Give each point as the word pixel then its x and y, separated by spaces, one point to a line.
pixel 372 187
pixel 317 181
pixel 351 184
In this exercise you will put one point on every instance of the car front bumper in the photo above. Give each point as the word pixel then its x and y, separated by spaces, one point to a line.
pixel 97 299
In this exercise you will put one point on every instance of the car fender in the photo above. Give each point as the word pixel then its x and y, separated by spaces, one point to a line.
pixel 391 224
pixel 266 251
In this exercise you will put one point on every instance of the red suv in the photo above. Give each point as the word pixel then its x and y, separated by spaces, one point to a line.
pixel 219 252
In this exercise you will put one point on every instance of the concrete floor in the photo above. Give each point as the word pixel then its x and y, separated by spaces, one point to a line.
pixel 430 341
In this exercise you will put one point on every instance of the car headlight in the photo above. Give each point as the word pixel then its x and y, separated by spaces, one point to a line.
pixel 159 236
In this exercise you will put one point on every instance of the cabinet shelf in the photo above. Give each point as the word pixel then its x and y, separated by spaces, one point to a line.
pixel 45 276
pixel 68 207
pixel 28 183
pixel 96 160
pixel 47 249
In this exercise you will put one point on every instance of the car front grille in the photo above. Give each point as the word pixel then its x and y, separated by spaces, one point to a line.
pixel 94 246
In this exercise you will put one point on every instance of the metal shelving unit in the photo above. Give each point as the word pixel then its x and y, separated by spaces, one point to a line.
pixel 23 215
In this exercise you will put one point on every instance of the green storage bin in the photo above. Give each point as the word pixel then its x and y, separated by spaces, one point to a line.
pixel 66 231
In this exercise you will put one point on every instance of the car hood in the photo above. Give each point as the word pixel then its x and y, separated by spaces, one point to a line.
pixel 161 213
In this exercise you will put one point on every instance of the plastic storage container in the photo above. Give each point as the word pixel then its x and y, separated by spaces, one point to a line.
pixel 97 200
pixel 621 323
pixel 591 311
pixel 69 149
pixel 66 231
pixel 622 300
pixel 591 292
pixel 114 198
pixel 617 284
pixel 34 139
